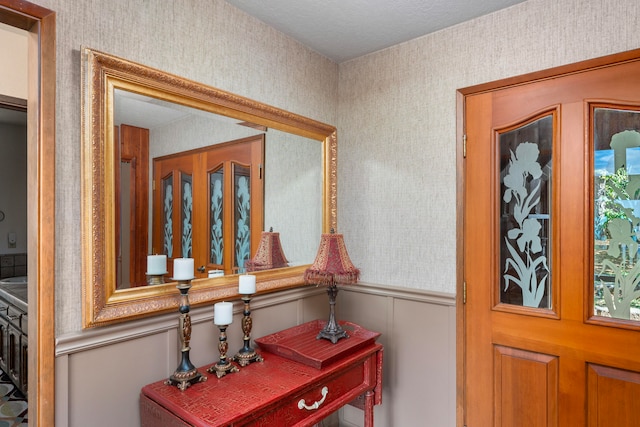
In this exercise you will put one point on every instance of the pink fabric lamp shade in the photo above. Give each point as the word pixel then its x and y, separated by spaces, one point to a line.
pixel 332 265
pixel 269 254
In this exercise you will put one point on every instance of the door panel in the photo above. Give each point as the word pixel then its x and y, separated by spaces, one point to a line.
pixel 531 333
pixel 608 393
pixel 517 370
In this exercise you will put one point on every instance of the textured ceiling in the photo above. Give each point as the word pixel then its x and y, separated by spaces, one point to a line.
pixel 346 29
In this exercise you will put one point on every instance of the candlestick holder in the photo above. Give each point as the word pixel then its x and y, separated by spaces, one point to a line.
pixel 223 366
pixel 186 374
pixel 155 279
pixel 246 354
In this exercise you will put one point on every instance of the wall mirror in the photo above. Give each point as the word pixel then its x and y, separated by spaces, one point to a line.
pixel 168 119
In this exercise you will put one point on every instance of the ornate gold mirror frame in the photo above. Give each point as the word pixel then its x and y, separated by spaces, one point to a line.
pixel 102 74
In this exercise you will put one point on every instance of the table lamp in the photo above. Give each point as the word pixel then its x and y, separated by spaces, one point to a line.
pixel 331 267
pixel 269 253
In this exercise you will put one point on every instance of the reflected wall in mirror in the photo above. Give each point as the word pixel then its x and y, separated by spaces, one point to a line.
pixel 156 151
pixel 169 138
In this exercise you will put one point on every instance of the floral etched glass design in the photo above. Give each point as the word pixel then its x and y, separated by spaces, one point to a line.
pixel 216 219
pixel 187 209
pixel 167 218
pixel 525 214
pixel 242 202
pixel 616 166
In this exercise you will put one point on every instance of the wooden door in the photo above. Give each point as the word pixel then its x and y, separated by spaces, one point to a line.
pixel 549 229
pixel 208 205
pixel 132 205
pixel 235 217
pixel 174 204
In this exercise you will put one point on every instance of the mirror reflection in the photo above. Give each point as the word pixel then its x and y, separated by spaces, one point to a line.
pixel 192 183
pixel 172 167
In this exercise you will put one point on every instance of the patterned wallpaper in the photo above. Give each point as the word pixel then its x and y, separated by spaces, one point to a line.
pixel 397 126
pixel 395 110
pixel 204 40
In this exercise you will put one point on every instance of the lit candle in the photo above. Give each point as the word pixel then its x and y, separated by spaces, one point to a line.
pixel 247 284
pixel 223 313
pixel 183 269
pixel 156 264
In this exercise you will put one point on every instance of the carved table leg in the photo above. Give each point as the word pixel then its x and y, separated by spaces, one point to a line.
pixel 368 408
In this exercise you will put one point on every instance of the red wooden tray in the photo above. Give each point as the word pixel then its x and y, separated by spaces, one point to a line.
pixel 300 344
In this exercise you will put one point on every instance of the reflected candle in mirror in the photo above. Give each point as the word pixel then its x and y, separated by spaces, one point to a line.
pixel 183 269
pixel 247 284
pixel 156 265
pixel 223 313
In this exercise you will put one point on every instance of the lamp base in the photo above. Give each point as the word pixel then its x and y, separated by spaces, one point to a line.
pixel 332 335
pixel 332 330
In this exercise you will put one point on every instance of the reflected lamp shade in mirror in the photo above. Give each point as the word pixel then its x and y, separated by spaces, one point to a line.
pixel 331 267
pixel 269 254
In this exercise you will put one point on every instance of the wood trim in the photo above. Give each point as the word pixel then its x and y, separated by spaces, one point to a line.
pixel 572 306
pixel 23 15
pixel 41 25
pixel 563 70
pixel 12 103
pixel 42 378
pixel 395 292
pixel 460 318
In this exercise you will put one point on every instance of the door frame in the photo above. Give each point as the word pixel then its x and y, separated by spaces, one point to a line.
pixel 461 143
pixel 40 23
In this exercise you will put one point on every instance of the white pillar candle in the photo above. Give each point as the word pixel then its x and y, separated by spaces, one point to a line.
pixel 223 313
pixel 156 264
pixel 247 284
pixel 183 269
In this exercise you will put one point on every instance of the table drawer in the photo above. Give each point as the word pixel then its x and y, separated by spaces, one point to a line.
pixel 319 399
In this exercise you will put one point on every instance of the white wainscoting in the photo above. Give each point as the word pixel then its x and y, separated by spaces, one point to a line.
pixel 99 372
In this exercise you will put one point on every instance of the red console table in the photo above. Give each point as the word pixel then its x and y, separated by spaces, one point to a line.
pixel 276 392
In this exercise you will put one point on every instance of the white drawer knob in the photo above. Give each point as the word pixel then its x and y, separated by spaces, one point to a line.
pixel 302 404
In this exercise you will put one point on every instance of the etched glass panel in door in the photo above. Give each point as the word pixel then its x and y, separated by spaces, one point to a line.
pixel 525 213
pixel 216 217
pixel 167 217
pixel 242 209
pixel 616 166
pixel 186 185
